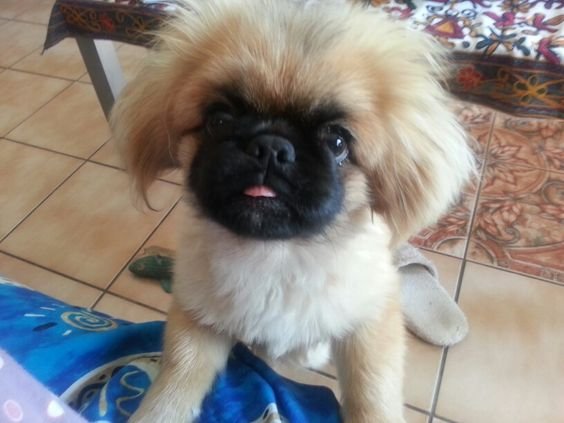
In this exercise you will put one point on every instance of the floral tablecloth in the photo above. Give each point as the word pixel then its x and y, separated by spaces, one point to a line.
pixel 508 54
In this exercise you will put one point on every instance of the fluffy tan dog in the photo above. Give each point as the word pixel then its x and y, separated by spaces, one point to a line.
pixel 313 141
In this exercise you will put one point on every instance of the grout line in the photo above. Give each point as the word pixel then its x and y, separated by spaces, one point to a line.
pixel 39 108
pixel 96 301
pixel 444 353
pixel 522 166
pixel 89 158
pixel 103 291
pixel 25 56
pixel 445 419
pixel 39 147
pixel 56 272
pixel 442 253
pixel 477 197
pixel 415 408
pixel 512 272
pixel 48 196
pixel 41 202
pixel 46 75
pixel 93 161
pixel 16 19
pixel 122 297
pixel 438 383
pixel 82 76
pixel 28 9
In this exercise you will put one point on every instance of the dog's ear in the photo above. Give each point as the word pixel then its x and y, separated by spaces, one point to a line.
pixel 414 152
pixel 420 172
pixel 139 127
pixel 159 106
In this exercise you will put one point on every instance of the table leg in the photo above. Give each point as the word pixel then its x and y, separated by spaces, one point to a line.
pixel 104 69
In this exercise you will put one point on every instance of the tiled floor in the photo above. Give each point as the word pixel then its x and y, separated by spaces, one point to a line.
pixel 68 228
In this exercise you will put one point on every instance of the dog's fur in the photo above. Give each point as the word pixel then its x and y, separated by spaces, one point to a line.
pixel 238 275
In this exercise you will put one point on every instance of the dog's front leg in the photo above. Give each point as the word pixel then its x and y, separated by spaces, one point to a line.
pixel 192 357
pixel 370 369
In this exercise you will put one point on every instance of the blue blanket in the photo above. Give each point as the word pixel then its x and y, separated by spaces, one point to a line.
pixel 102 366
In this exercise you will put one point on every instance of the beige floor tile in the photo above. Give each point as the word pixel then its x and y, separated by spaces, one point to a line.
pixel 18 39
pixel 71 123
pixel 147 291
pixel 62 60
pixel 20 164
pixel 88 228
pixel 510 368
pixel 412 416
pixel 126 310
pixel 47 282
pixel 39 13
pixel 22 95
pixel 421 372
pixel 12 8
pixel 109 155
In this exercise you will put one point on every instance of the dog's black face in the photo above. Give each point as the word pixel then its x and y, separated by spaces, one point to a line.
pixel 270 175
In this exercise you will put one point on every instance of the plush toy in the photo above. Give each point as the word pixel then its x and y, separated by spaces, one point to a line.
pixel 155 263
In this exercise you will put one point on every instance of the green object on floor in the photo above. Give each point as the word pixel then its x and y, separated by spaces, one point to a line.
pixel 166 285
pixel 157 264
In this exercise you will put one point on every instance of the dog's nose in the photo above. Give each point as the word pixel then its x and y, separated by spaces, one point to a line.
pixel 268 147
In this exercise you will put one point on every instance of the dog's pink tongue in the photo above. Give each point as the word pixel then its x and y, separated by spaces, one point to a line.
pixel 260 191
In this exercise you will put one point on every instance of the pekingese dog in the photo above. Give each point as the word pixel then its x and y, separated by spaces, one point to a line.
pixel 313 140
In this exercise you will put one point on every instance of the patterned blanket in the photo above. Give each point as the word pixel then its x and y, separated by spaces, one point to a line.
pixel 102 367
pixel 508 54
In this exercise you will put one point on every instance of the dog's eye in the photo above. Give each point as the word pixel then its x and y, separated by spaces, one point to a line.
pixel 336 139
pixel 218 120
